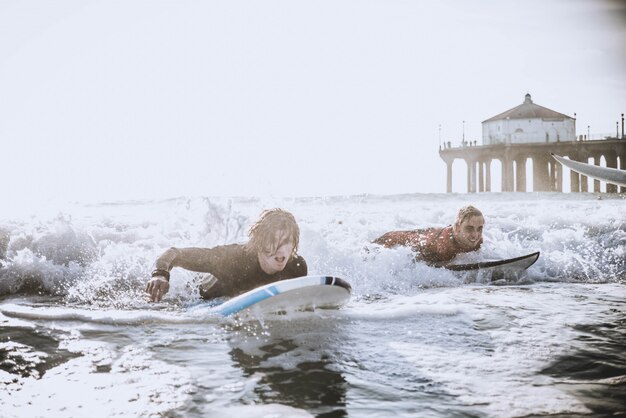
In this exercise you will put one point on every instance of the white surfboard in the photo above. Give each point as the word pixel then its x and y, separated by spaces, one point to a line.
pixel 607 174
pixel 301 293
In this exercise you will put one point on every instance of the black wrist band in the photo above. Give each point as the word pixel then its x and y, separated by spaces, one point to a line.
pixel 163 273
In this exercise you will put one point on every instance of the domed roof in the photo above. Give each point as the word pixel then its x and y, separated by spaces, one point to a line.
pixel 529 110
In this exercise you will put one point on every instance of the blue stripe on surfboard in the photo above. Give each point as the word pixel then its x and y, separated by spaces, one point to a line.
pixel 249 300
pixel 244 301
pixel 258 296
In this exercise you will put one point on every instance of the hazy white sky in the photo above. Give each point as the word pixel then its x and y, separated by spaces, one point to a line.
pixel 105 100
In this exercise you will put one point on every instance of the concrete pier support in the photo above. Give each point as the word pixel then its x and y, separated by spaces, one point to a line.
pixel 556 176
pixel 471 176
pixel 559 178
pixel 550 176
pixel 481 176
pixel 622 166
pixel 584 180
pixel 596 183
pixel 574 181
pixel 449 177
pixel 488 176
pixel 584 184
pixel 520 174
pixel 541 174
pixel 611 161
pixel 507 175
pixel 574 177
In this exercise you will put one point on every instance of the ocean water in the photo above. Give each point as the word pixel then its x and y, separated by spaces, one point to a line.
pixel 78 339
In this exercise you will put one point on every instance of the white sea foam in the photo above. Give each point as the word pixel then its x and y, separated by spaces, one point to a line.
pixel 103 254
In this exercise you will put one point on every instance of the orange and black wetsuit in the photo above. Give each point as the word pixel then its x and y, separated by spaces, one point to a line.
pixel 433 245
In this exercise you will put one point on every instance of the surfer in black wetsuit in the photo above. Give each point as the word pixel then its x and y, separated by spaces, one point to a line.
pixel 269 255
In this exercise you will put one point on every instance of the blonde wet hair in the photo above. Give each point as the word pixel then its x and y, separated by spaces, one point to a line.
pixel 467 212
pixel 263 233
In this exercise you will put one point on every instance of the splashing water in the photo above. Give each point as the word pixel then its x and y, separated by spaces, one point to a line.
pixel 414 340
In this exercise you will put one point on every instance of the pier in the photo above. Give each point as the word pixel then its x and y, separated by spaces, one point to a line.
pixel 547 172
pixel 530 132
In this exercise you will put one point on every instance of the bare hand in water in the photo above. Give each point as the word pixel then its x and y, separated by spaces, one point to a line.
pixel 156 288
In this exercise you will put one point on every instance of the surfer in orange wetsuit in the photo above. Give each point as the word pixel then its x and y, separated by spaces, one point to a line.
pixel 269 255
pixel 440 245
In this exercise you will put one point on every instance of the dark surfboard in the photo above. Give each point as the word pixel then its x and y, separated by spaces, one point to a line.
pixel 517 263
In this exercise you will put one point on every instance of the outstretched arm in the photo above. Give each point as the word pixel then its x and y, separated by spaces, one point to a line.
pixel 395 238
pixel 195 259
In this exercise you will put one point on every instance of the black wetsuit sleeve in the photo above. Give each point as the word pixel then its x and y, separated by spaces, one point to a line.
pixel 203 260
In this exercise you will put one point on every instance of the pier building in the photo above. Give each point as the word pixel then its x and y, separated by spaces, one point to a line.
pixel 530 132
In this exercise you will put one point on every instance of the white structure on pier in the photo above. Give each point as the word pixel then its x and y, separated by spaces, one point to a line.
pixel 528 123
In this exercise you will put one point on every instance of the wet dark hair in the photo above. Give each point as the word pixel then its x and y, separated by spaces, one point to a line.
pixel 263 233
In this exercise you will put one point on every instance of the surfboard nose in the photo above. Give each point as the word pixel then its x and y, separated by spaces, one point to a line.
pixel 337 281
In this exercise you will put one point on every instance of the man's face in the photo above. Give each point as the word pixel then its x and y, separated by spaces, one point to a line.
pixel 469 233
pixel 273 261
